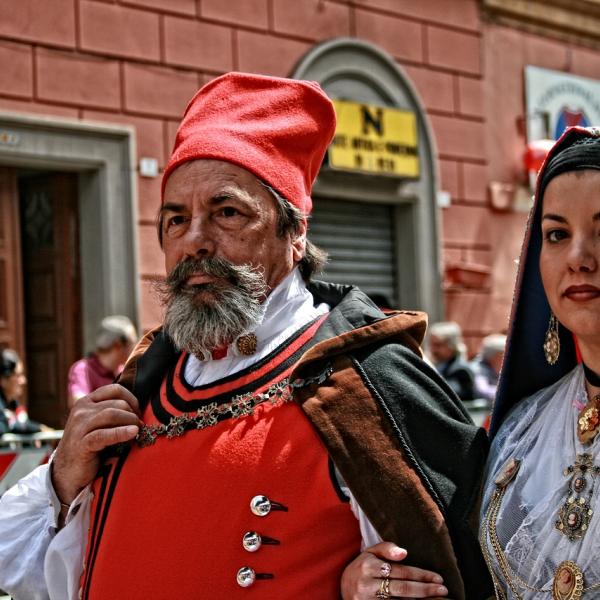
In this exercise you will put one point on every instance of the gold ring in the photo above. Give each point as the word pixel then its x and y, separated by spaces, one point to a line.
pixel 385 570
pixel 384 589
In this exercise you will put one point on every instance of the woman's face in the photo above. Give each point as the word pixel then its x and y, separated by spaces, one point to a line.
pixel 570 254
pixel 14 384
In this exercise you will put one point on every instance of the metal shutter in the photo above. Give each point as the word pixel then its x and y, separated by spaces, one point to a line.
pixel 359 238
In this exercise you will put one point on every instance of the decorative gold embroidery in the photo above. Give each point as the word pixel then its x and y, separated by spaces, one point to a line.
pixel 588 422
pixel 239 406
pixel 208 416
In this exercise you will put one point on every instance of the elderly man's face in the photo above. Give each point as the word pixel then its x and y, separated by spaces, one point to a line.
pixel 216 209
pixel 222 254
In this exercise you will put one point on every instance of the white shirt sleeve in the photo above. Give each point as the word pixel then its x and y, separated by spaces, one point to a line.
pixel 66 553
pixel 27 526
pixel 368 533
pixel 36 562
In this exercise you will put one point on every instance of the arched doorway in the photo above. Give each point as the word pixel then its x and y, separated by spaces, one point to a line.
pixel 380 228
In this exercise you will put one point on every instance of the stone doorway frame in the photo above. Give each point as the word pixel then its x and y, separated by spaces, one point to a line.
pixel 103 156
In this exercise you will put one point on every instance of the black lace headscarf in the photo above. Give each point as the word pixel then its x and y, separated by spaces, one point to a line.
pixel 525 369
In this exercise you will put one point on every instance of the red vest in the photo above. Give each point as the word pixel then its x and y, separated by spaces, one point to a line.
pixel 168 519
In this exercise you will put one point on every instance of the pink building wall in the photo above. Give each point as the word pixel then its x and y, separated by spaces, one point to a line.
pixel 136 62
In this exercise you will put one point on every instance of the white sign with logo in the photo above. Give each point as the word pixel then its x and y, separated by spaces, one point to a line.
pixel 556 100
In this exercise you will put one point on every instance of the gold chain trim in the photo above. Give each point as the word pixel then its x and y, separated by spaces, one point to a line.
pixel 498 593
pixel 208 416
pixel 239 406
pixel 511 578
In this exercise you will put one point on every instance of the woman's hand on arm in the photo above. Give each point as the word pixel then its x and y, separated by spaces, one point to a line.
pixel 362 579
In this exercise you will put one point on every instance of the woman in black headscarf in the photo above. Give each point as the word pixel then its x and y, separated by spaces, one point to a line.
pixel 541 509
pixel 13 416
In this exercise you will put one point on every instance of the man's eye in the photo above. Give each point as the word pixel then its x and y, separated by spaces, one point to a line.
pixel 229 211
pixel 174 221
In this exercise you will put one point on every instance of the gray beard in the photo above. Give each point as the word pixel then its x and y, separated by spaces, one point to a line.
pixel 201 318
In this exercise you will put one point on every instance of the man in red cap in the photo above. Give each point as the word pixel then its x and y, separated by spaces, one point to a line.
pixel 273 427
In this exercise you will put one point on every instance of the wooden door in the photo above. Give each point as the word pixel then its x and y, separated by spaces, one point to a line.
pixel 51 281
pixel 11 298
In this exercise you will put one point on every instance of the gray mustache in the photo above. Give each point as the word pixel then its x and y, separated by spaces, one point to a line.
pixel 213 266
pixel 199 326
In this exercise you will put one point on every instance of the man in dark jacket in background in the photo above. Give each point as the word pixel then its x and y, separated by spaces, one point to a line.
pixel 446 350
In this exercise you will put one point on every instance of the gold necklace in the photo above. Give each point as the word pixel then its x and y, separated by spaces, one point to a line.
pixel 568 581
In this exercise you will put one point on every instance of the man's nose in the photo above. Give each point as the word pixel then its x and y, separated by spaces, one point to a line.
pixel 199 239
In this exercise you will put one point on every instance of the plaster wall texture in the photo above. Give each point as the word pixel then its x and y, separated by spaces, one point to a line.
pixel 137 62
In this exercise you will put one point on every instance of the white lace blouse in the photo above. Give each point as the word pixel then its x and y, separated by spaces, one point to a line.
pixel 544 518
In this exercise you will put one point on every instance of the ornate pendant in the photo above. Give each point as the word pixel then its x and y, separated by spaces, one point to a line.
pixel 575 514
pixel 574 517
pixel 568 582
pixel 588 421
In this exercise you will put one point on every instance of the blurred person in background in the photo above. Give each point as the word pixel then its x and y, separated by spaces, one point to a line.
pixel 486 365
pixel 115 339
pixel 446 351
pixel 13 414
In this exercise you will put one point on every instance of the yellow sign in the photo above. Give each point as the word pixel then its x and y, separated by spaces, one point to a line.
pixel 375 139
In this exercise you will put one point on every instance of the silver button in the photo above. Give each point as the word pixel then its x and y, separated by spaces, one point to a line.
pixel 251 541
pixel 246 577
pixel 260 506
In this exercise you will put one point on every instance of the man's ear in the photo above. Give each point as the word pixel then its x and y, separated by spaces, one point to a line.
pixel 299 242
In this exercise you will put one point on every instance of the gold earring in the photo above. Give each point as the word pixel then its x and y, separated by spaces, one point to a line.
pixel 552 341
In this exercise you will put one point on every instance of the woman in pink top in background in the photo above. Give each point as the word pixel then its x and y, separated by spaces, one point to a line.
pixel 115 339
